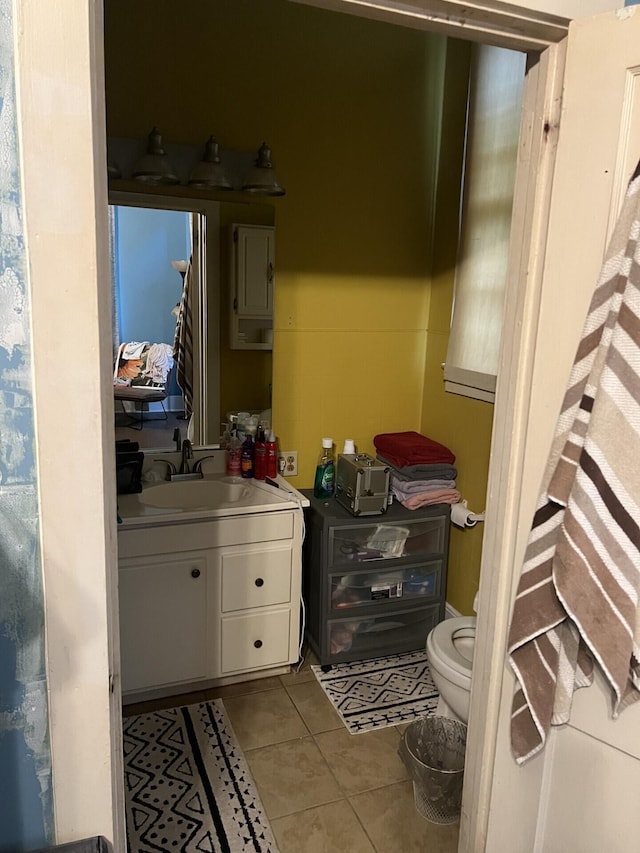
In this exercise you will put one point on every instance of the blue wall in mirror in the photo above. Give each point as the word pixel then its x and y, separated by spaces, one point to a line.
pixel 148 287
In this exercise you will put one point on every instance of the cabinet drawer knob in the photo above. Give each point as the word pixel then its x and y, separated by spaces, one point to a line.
pixel 195 573
pixel 259 582
pixel 258 644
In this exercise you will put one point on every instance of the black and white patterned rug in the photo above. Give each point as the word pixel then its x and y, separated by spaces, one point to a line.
pixel 187 785
pixel 381 692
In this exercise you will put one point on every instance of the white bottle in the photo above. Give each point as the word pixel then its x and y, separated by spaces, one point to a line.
pixel 349 447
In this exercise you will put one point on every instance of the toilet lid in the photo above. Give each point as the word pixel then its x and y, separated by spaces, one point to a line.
pixel 451 632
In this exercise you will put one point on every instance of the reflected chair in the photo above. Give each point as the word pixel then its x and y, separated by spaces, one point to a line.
pixel 132 384
pixel 141 395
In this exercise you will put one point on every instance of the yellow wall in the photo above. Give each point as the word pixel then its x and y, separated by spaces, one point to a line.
pixel 347 107
pixel 351 109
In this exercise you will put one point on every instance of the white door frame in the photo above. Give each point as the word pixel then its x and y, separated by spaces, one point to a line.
pixel 514 26
pixel 59 80
pixel 491 23
pixel 503 545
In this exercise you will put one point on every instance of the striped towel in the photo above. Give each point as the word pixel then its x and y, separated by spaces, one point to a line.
pixel 580 585
pixel 183 344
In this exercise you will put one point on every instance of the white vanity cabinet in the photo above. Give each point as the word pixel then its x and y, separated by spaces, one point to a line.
pixel 209 602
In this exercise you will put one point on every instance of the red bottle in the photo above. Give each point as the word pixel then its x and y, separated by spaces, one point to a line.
pixel 260 456
pixel 272 456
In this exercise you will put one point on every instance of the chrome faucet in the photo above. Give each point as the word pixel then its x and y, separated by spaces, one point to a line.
pixel 197 468
pixel 171 468
pixel 187 453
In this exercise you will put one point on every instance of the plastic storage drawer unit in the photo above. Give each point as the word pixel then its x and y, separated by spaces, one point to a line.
pixel 373 586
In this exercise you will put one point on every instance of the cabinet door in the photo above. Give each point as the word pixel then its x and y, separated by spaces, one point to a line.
pixel 254 270
pixel 163 621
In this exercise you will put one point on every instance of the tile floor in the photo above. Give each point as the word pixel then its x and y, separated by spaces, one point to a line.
pixel 323 789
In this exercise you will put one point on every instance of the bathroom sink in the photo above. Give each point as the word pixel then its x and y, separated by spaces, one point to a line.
pixel 210 497
pixel 194 494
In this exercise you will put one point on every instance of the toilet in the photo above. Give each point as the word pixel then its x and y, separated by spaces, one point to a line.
pixel 450 653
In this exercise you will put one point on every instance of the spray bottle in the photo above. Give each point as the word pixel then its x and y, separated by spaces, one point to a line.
pixel 260 456
pixel 272 456
pixel 234 448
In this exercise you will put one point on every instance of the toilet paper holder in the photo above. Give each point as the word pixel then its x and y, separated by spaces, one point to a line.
pixel 463 517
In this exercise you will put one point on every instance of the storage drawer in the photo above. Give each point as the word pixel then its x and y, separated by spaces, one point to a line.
pixel 255 641
pixel 385 585
pixel 255 577
pixel 349 544
pixel 388 633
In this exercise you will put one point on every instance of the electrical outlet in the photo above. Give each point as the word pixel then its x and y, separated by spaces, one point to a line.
pixel 288 463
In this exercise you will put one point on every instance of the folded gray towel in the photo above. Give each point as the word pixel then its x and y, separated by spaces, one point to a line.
pixel 426 471
pixel 404 488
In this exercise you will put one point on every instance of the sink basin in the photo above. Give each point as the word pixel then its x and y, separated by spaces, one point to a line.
pixel 194 494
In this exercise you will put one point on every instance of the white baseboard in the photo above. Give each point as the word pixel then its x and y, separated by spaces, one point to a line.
pixel 451 612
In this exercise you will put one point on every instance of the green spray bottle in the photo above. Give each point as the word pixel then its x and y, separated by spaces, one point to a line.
pixel 325 471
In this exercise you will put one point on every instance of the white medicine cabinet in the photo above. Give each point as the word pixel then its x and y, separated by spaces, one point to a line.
pixel 252 283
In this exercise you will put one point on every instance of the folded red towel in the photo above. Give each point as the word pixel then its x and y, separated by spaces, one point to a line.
pixel 411 448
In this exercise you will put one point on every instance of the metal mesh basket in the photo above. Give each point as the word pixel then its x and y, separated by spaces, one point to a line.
pixel 433 750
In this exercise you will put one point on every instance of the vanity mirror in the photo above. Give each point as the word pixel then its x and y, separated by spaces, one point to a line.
pixel 150 235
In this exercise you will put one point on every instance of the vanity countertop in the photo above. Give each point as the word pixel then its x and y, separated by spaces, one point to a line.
pixel 253 496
